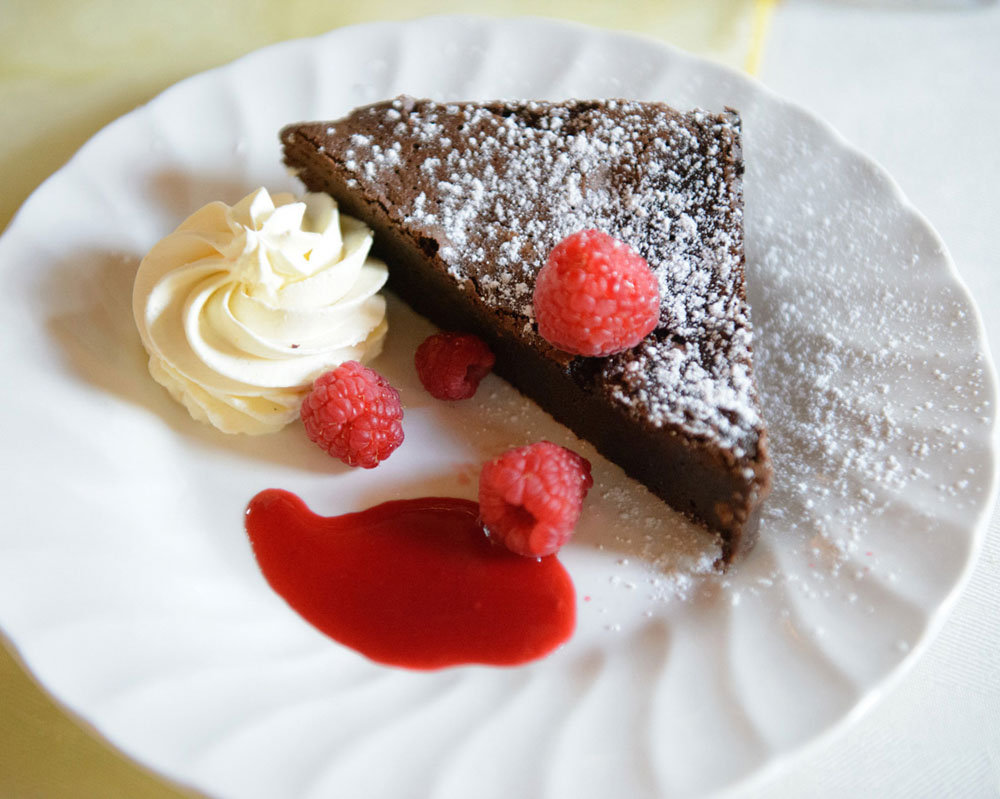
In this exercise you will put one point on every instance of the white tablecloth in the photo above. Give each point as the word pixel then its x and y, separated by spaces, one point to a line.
pixel 918 90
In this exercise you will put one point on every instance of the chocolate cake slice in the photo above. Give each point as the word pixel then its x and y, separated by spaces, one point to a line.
pixel 466 201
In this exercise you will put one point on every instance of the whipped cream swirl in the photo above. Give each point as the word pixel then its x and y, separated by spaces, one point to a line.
pixel 242 307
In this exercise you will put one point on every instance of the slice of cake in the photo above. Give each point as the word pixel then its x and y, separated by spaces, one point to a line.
pixel 468 199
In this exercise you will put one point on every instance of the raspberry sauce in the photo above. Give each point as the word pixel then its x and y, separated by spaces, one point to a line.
pixel 412 583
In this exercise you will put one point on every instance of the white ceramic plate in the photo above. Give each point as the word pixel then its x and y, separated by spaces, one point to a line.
pixel 128 586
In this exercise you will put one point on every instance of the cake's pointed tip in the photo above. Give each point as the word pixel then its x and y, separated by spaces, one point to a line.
pixel 310 131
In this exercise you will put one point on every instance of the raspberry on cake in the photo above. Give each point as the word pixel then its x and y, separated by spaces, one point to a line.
pixel 468 200
pixel 595 295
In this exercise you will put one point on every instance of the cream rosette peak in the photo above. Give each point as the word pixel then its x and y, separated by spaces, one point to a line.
pixel 243 306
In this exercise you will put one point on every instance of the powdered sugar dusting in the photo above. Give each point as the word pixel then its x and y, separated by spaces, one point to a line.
pixel 874 402
pixel 499 185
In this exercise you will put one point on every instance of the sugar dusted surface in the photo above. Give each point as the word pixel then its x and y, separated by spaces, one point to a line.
pixel 502 184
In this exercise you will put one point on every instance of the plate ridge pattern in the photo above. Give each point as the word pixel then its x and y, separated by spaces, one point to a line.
pixel 804 227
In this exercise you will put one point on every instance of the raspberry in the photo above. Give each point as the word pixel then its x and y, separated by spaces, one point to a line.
pixel 450 365
pixel 595 295
pixel 530 497
pixel 354 414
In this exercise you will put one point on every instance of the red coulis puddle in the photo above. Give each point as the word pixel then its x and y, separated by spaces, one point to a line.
pixel 412 583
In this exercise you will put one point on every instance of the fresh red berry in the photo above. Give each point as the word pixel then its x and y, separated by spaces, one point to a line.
pixel 530 497
pixel 354 414
pixel 595 295
pixel 450 365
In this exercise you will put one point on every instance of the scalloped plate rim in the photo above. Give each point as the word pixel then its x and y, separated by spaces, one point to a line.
pixel 782 760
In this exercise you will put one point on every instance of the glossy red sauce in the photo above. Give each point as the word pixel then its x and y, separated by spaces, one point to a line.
pixel 412 583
